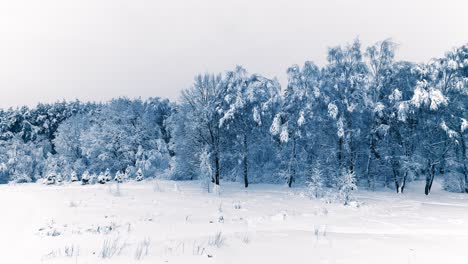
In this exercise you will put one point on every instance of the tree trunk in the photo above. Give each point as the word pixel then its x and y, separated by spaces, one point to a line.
pixel 246 178
pixel 396 178
pixel 463 160
pixel 216 179
pixel 402 187
pixel 370 183
pixel 292 173
pixel 340 152
pixel 429 177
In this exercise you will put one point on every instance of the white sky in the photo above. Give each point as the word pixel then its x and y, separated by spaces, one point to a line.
pixel 98 49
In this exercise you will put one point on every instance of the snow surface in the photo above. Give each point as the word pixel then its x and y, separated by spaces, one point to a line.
pixel 266 224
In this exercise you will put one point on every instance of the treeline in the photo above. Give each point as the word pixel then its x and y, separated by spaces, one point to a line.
pixel 362 116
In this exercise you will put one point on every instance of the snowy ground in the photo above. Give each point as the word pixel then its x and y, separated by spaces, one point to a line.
pixel 156 222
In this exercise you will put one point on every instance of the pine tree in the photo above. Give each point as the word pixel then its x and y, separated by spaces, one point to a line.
pixel 118 177
pixel 101 178
pixel 315 183
pixel 74 177
pixel 107 175
pixel 85 178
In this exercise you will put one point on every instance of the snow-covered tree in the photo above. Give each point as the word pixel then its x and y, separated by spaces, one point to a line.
pixel 289 125
pixel 315 182
pixel 74 177
pixel 118 177
pixel 107 175
pixel 85 178
pixel 345 84
pixel 101 178
pixel 248 103
pixel 203 101
pixel 348 187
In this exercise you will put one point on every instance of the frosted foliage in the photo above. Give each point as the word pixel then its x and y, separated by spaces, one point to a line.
pixel 276 126
pixel 256 116
pixel 464 125
pixel 396 95
pixel 437 99
pixel 451 133
pixel 301 119
pixel 379 107
pixel 420 96
pixel 284 136
pixel 340 127
pixel 432 97
pixel 452 65
pixel 403 111
pixel 332 110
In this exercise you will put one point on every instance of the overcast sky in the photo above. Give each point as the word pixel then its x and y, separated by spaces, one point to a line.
pixel 98 49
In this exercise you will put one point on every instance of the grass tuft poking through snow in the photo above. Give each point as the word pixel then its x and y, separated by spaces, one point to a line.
pixel 246 239
pixel 142 249
pixel 111 247
pixel 71 251
pixel 217 240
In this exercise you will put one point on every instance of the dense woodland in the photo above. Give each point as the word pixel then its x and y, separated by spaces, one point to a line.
pixel 361 118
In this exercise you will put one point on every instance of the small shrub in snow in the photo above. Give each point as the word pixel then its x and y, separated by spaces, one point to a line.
pixel 246 239
pixel 347 187
pixel 74 177
pixel 139 175
pixel 198 249
pixel 50 179
pixel 71 251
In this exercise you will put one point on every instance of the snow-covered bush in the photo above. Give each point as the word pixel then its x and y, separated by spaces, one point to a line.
pixel 50 179
pixel 85 178
pixel 59 179
pixel 101 178
pixel 118 177
pixel 73 177
pixel 139 175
